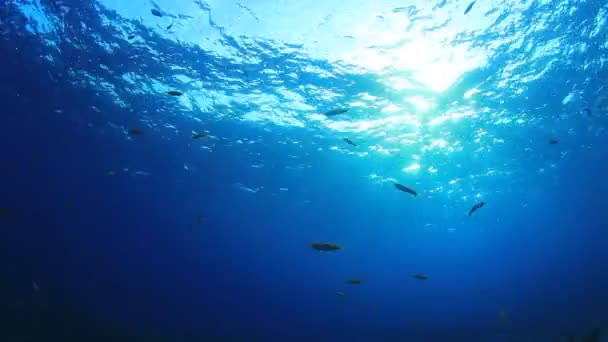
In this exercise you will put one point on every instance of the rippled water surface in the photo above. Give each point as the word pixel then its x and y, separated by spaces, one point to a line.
pixel 168 167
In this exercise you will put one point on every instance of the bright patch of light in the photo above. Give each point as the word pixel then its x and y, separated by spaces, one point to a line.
pixel 37 16
pixel 420 102
pixel 390 108
pixel 400 83
pixel 470 93
pixel 366 125
pixel 368 97
pixel 443 118
pixel 437 143
pixel 380 149
pixel 412 168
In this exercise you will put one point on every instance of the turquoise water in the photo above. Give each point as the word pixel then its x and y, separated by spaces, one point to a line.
pixel 168 166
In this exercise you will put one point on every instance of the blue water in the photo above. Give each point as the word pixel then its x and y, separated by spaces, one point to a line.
pixel 109 235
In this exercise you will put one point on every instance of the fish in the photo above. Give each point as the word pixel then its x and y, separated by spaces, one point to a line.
pixel 131 36
pixel 404 188
pixel 325 247
pixel 136 131
pixel 111 173
pixel 476 207
pixel 355 281
pixel 169 27
pixel 175 93
pixel 594 335
pixel 35 287
pixel 420 277
pixel 337 111
pixel 340 294
pixel 199 219
pixel 504 318
pixel 199 135
pixel 156 12
pixel 588 111
pixel 554 141
pixel 350 142
pixel 469 7
pixel 5 212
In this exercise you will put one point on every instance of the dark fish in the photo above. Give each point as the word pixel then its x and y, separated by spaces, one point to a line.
pixel 156 12
pixel 594 335
pixel 355 281
pixel 469 7
pixel 199 219
pixel 5 212
pixel 554 141
pixel 199 135
pixel 504 318
pixel 420 277
pixel 336 111
pixel 169 27
pixel 350 142
pixel 476 207
pixel 131 36
pixel 136 131
pixel 325 247
pixel 588 111
pixel 175 93
pixel 404 188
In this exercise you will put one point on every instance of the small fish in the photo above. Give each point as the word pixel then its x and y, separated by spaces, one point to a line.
pixel 70 205
pixel 136 131
pixel 476 207
pixel 404 188
pixel 336 111
pixel 554 141
pixel 5 212
pixel 199 219
pixel 131 36
pixel 325 247
pixel 111 173
pixel 199 135
pixel 588 111
pixel 355 281
pixel 169 27
pixel 175 93
pixel 469 7
pixel 504 318
pixel 420 277
pixel 156 12
pixel 350 142
pixel 340 294
pixel 35 287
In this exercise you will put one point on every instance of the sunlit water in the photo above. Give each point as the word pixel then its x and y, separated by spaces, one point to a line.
pixel 504 104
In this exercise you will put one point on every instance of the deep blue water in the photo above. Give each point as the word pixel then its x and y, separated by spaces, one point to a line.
pixel 101 237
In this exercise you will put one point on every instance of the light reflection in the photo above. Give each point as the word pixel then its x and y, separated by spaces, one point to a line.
pixel 412 168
